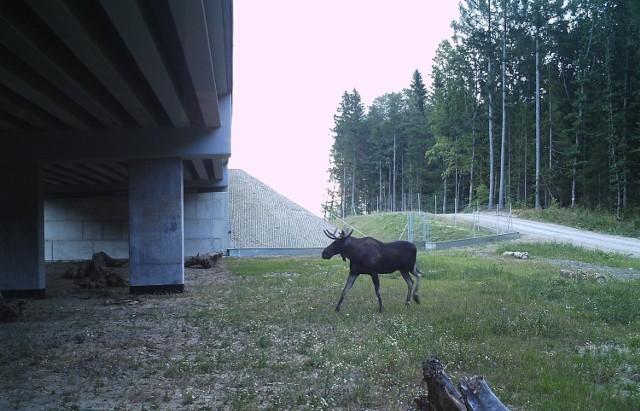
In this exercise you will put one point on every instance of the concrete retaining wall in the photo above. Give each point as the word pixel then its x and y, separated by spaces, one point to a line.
pixel 465 242
pixel 261 252
pixel 206 223
pixel 264 252
pixel 75 228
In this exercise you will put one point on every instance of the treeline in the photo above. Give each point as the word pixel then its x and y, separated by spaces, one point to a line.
pixel 532 104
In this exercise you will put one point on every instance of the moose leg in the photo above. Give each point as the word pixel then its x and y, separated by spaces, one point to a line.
pixel 350 280
pixel 376 285
pixel 418 276
pixel 409 281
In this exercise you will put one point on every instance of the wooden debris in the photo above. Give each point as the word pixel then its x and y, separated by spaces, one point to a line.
pixel 124 301
pixel 583 276
pixel 99 272
pixel 479 396
pixel 442 395
pixel 11 310
pixel 523 255
pixel 208 260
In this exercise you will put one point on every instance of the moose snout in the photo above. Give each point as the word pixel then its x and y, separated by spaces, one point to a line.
pixel 326 255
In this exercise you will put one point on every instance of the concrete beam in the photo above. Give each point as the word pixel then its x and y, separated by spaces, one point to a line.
pixel 130 22
pixel 191 27
pixel 123 144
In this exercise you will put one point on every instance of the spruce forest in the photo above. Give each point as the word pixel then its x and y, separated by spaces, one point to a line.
pixel 532 104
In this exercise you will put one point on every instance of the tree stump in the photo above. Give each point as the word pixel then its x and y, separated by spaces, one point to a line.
pixel 208 260
pixel 442 395
pixel 99 272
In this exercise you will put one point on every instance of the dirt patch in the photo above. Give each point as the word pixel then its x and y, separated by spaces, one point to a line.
pixel 103 349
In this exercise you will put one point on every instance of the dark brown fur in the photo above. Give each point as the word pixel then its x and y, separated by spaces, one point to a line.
pixel 372 257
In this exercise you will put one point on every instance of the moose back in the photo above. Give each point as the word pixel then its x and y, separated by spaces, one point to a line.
pixel 370 256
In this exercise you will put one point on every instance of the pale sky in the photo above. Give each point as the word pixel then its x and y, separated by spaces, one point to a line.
pixel 294 59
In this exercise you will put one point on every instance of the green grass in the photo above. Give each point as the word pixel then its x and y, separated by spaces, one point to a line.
pixel 543 342
pixel 393 226
pixel 573 252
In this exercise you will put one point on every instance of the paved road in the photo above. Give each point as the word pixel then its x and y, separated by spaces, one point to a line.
pixel 555 232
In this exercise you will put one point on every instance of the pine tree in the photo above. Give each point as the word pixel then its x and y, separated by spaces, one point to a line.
pixel 419 91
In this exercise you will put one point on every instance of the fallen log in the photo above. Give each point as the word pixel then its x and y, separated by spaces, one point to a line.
pixel 208 260
pixel 442 395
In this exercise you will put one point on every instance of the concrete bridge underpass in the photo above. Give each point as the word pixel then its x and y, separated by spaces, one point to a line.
pixel 104 100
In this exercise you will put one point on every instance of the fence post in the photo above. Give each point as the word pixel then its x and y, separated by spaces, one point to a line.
pixel 410 226
pixel 425 227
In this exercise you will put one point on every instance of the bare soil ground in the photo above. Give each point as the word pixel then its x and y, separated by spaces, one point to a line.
pixel 101 349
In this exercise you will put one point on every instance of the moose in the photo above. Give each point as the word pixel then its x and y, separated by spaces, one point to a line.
pixel 370 256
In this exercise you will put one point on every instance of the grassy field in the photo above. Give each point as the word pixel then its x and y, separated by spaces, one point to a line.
pixel 542 341
pixel 262 334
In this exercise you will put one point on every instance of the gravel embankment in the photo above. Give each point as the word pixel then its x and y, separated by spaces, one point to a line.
pixel 259 217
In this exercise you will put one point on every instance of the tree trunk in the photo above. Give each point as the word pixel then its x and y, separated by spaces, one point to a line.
pixel 473 158
pixel 444 195
pixel 490 115
pixel 491 155
pixel 353 189
pixel 504 111
pixel 537 203
pixel 574 171
pixel 550 146
pixel 380 189
pixel 393 195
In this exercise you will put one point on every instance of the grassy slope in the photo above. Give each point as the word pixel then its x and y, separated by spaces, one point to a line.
pixel 598 221
pixel 393 226
pixel 542 341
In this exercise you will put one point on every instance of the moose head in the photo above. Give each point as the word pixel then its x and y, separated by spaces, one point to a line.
pixel 337 245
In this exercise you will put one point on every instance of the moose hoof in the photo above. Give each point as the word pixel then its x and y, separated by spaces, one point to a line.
pixel 337 308
pixel 416 298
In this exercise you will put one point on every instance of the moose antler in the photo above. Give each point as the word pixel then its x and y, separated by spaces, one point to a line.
pixel 331 235
pixel 344 234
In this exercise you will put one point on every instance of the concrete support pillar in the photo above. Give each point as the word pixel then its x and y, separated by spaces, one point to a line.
pixel 21 231
pixel 156 245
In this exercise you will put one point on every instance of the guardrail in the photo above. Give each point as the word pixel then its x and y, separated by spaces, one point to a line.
pixel 422 245
pixel 468 241
pixel 260 252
